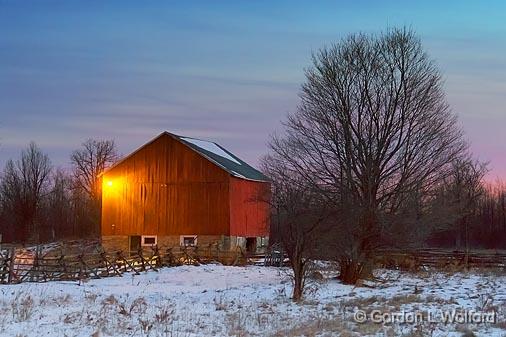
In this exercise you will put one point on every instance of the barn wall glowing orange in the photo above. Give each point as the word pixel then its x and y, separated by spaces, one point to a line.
pixel 167 188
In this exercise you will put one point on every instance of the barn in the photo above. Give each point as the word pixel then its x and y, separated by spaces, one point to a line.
pixel 178 190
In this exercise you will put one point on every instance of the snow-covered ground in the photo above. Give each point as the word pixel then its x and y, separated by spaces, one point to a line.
pixel 214 300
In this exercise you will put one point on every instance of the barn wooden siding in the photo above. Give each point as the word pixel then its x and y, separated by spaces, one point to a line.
pixel 249 213
pixel 166 188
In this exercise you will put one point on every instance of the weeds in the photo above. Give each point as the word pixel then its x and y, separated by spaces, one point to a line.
pixel 22 308
pixel 262 311
pixel 219 303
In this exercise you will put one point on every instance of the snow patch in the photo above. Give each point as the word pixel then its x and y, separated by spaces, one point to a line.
pixel 238 175
pixel 215 300
pixel 211 147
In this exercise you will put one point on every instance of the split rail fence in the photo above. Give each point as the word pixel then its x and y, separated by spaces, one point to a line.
pixel 40 264
pixel 441 259
pixel 20 265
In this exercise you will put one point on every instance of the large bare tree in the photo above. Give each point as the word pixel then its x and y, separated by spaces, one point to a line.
pixel 372 128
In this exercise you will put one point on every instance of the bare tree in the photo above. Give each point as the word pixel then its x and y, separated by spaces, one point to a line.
pixel 297 221
pixel 490 229
pixel 24 185
pixel 13 221
pixel 88 163
pixel 372 128
pixel 58 208
pixel 464 190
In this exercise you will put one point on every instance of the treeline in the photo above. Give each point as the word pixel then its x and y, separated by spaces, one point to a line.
pixel 485 225
pixel 43 203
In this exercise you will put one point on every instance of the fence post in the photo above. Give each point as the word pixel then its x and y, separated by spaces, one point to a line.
pixel 141 256
pixel 12 257
pixel 35 267
pixel 156 255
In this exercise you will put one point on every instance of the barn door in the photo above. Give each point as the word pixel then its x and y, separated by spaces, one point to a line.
pixel 251 245
pixel 135 244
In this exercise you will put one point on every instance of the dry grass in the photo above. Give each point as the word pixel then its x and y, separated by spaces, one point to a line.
pixel 324 326
pixel 22 308
pixel 228 315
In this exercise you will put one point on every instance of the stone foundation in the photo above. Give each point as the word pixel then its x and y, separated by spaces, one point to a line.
pixel 115 243
pixel 222 242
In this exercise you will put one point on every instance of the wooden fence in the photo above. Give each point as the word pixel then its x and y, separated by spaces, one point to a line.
pixel 440 259
pixel 42 264
pixel 275 256
pixel 19 265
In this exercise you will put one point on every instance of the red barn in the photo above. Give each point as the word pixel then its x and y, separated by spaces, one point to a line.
pixel 178 190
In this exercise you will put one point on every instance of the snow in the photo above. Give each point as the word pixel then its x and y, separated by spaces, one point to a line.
pixel 211 147
pixel 215 300
pixel 238 175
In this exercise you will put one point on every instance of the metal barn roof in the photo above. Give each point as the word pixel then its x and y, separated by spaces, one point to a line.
pixel 214 153
pixel 223 158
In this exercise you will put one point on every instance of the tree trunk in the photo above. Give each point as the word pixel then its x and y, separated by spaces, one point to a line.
pixel 350 270
pixel 298 277
pixel 297 288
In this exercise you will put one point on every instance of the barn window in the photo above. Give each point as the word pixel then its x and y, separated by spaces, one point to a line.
pixel 188 240
pixel 149 240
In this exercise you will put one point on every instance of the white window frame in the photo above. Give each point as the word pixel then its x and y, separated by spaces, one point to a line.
pixel 182 237
pixel 264 241
pixel 143 244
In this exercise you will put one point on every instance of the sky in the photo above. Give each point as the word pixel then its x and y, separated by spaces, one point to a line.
pixel 227 71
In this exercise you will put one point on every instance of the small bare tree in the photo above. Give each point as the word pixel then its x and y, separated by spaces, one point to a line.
pixel 88 163
pixel 372 128
pixel 298 218
pixel 58 207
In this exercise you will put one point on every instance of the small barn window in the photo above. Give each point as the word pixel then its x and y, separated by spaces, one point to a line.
pixel 149 240
pixel 188 240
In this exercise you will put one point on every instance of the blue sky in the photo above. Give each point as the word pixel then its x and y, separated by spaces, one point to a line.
pixel 228 71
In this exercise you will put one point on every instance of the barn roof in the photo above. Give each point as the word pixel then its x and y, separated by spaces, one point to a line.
pixel 222 157
pixel 216 154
